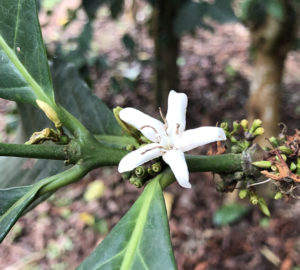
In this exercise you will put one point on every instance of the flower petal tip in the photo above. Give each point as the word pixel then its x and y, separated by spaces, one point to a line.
pixel 185 184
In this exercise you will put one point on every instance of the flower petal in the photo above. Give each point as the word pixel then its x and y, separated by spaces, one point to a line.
pixel 139 157
pixel 193 138
pixel 177 103
pixel 149 126
pixel 175 159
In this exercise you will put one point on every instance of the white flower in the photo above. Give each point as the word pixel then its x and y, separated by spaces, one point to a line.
pixel 169 139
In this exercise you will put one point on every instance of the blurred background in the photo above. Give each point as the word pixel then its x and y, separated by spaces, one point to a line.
pixel 234 60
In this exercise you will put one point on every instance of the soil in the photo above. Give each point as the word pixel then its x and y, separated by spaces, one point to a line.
pixel 59 233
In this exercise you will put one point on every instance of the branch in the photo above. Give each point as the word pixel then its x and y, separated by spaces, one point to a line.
pixel 226 163
pixel 33 151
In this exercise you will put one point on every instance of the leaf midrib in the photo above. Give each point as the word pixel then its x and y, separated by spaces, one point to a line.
pixel 138 229
pixel 26 75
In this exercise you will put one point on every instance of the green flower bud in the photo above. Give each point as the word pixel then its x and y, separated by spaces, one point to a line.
pixel 151 172
pixel 256 124
pixel 278 195
pixel 273 141
pixel 285 150
pixel 283 157
pixel 264 164
pixel 140 172
pixel 224 125
pixel 263 206
pixel 293 166
pixel 259 131
pixel 243 193
pixel 244 124
pixel 233 139
pixel 253 198
pixel 156 167
pixel 136 181
pixel 236 125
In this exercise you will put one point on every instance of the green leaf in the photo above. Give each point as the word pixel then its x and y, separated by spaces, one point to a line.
pixel 221 11
pixel 229 214
pixel 74 94
pixel 141 239
pixel 18 199
pixel 13 204
pixel 189 16
pixel 24 72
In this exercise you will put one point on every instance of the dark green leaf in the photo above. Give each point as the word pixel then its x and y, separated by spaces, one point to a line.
pixel 229 214
pixel 18 200
pixel 24 72
pixel 74 94
pixel 221 11
pixel 141 239
pixel 189 16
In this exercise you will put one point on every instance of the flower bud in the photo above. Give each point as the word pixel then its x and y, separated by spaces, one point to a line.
pixel 278 195
pixel 140 172
pixel 243 193
pixel 263 206
pixel 233 140
pixel 156 167
pixel 256 124
pixel 253 199
pixel 136 181
pixel 293 166
pixel 264 164
pixel 236 125
pixel 285 150
pixel 258 131
pixel 224 125
pixel 244 124
pixel 283 157
pixel 273 141
pixel 151 172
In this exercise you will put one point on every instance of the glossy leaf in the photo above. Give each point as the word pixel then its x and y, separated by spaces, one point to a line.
pixel 140 240
pixel 24 72
pixel 14 201
pixel 74 94
pixel 18 199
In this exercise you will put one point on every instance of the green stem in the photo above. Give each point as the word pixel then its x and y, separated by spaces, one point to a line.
pixel 67 177
pixel 226 163
pixel 73 124
pixel 217 163
pixel 33 151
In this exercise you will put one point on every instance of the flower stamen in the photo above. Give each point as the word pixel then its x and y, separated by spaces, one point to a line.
pixel 147 126
pixel 156 147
